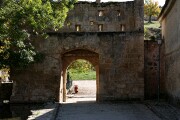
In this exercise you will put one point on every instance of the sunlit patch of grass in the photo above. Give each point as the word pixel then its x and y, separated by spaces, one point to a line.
pixel 89 75
pixel 154 24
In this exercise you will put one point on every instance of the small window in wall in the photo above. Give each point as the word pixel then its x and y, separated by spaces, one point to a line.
pixel 100 27
pixel 122 27
pixel 68 23
pixel 91 23
pixel 118 13
pixel 78 28
pixel 101 12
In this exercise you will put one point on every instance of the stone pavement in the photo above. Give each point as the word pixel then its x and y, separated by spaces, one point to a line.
pixel 164 110
pixel 106 111
pixel 82 106
pixel 84 109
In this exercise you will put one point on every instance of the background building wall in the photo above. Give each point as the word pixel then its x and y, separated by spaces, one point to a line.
pixel 170 33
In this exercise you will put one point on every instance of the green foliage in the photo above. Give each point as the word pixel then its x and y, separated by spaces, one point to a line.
pixel 151 8
pixel 145 33
pixel 152 30
pixel 4 75
pixel 82 70
pixel 81 66
pixel 89 75
pixel 153 24
pixel 21 22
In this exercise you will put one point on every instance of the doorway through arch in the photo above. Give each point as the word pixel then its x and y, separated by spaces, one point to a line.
pixel 81 81
pixel 71 56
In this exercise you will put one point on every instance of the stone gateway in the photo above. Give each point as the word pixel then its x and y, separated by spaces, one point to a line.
pixel 109 35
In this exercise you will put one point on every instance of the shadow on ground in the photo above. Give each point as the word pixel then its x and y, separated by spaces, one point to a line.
pixel 27 111
pixel 90 110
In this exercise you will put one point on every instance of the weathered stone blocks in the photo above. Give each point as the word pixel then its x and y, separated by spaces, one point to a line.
pixel 117 55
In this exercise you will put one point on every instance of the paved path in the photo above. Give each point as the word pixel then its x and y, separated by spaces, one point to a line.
pixel 46 113
pixel 92 111
pixel 82 106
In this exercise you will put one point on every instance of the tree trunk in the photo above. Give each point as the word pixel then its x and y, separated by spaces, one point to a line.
pixel 150 19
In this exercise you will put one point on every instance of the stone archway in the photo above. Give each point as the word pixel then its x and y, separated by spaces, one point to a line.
pixel 118 59
pixel 69 57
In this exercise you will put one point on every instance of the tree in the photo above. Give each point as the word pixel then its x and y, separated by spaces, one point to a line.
pixel 21 22
pixel 81 66
pixel 151 8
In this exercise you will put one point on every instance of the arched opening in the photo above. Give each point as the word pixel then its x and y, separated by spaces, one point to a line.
pixel 81 81
pixel 68 59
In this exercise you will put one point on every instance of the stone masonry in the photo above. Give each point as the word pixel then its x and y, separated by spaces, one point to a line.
pixel 151 61
pixel 109 35
pixel 169 19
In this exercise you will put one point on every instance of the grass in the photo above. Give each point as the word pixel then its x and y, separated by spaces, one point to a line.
pixel 154 24
pixel 89 75
pixel 151 30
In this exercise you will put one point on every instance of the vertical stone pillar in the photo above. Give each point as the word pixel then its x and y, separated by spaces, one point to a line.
pixel 97 83
pixel 64 84
pixel 1 100
pixel 98 1
pixel 139 15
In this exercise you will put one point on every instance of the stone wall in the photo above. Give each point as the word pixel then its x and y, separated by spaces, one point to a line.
pixel 170 33
pixel 121 57
pixel 121 70
pixel 112 16
pixel 120 66
pixel 151 64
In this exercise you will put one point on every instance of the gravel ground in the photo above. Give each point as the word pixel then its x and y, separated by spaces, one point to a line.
pixel 86 89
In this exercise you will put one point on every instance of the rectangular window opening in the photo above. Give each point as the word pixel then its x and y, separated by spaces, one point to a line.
pixel 100 27
pixel 68 24
pixel 122 27
pixel 101 13
pixel 91 23
pixel 118 13
pixel 78 28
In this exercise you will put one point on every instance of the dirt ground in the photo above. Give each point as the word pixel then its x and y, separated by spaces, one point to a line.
pixel 86 91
